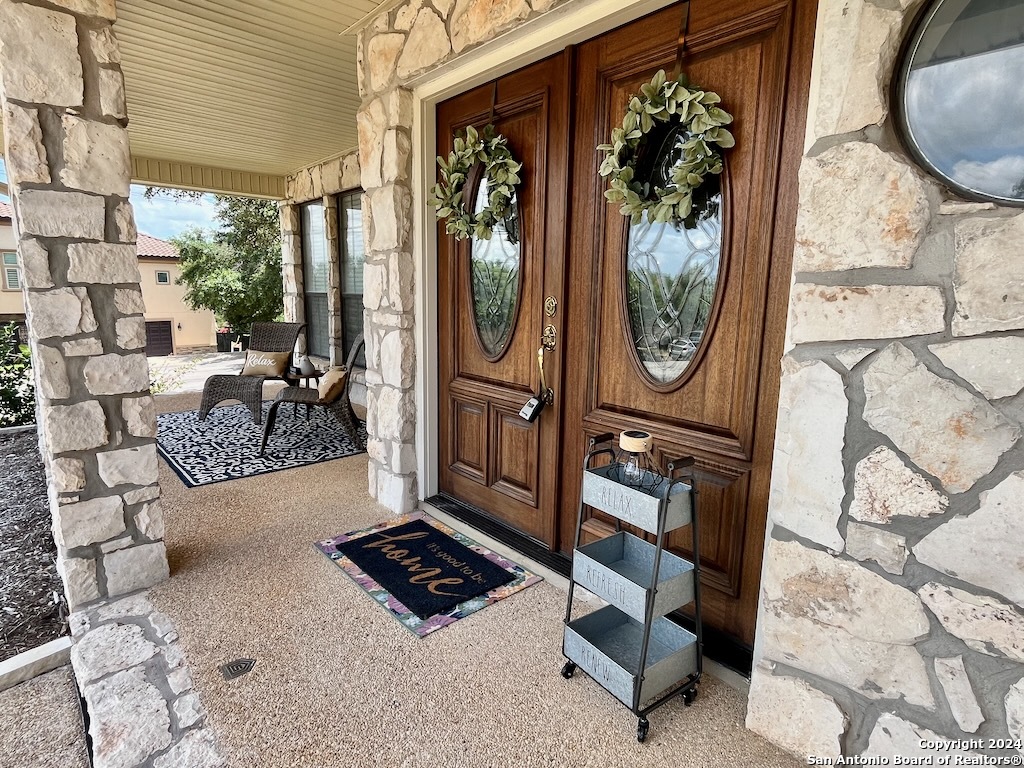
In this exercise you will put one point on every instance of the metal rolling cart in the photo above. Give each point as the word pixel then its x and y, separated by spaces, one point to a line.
pixel 628 646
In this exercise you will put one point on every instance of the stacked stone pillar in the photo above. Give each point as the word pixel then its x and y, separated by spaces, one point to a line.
pixel 291 268
pixel 68 163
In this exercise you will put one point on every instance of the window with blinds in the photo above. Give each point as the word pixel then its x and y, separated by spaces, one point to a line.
pixel 11 279
pixel 315 279
pixel 353 256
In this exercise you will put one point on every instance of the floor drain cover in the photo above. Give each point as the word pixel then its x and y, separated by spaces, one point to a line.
pixel 237 668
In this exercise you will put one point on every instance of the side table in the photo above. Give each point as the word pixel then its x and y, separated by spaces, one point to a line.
pixel 310 380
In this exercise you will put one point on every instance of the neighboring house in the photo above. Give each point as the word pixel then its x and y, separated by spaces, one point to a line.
pixel 172 326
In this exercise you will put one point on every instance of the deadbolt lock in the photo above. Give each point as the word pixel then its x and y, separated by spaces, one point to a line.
pixel 550 306
pixel 547 338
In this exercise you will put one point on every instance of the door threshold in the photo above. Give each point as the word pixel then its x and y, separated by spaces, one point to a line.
pixel 732 659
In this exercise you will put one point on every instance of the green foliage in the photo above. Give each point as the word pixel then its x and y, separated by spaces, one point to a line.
pixel 665 101
pixel 17 389
pixel 235 271
pixel 501 174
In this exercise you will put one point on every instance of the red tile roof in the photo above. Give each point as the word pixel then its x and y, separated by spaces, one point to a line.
pixel 148 247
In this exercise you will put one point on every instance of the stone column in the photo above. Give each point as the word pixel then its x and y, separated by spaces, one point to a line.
pixel 62 94
pixel 291 258
pixel 334 303
pixel 385 164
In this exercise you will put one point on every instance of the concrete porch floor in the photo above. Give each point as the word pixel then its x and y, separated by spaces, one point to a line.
pixel 338 682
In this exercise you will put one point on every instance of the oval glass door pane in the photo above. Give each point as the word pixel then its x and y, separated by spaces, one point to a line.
pixel 672 275
pixel 494 271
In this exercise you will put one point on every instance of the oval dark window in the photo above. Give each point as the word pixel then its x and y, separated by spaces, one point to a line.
pixel 672 277
pixel 494 279
pixel 961 99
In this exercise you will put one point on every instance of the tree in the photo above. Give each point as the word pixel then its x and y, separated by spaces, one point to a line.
pixel 236 270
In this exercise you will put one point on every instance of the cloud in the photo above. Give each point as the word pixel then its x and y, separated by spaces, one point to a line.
pixel 166 217
pixel 998 177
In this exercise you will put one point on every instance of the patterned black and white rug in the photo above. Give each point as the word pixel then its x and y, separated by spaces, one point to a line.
pixel 227 445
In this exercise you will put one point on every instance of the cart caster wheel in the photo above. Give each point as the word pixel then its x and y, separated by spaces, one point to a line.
pixel 568 669
pixel 689 696
pixel 642 727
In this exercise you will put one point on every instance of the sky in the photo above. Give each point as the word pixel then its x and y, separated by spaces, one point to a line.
pixel 162 216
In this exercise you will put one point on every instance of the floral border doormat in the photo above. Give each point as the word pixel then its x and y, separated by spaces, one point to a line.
pixel 520 577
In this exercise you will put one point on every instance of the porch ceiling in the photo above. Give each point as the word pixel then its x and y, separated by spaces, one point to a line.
pixel 264 86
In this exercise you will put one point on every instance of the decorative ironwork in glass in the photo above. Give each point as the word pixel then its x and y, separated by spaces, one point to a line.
pixel 494 270
pixel 671 279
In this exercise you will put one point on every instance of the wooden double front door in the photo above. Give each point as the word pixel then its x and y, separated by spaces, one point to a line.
pixel 678 334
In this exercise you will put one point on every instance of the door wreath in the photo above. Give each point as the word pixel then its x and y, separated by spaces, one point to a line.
pixel 666 111
pixel 478 157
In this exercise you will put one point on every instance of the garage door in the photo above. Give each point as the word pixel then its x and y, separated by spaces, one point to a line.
pixel 158 338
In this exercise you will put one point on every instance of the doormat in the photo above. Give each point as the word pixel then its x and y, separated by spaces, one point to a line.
pixel 227 445
pixel 425 573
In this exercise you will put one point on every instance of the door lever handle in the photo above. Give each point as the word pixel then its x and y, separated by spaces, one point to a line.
pixel 546 394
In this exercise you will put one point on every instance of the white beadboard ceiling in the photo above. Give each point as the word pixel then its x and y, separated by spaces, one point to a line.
pixel 265 86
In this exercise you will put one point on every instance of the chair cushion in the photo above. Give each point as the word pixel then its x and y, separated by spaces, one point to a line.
pixel 265 363
pixel 332 384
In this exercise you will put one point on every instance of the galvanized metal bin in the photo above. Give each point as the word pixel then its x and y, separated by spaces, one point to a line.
pixel 636 506
pixel 606 645
pixel 619 569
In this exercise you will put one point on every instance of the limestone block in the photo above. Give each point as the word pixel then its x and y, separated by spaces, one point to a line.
pixel 398 358
pixel 428 44
pixel 103 263
pixel 51 373
pixel 89 522
pixel 988 286
pixel 807 473
pixel 116 544
pixel 850 357
pixel 374 282
pixel 371 122
pixel 179 680
pixel 136 568
pixel 140 415
pixel 983 548
pixel 79 578
pixel 1014 705
pixel 395 161
pixel 96 157
pixel 398 108
pixel 25 156
pixel 110 648
pixel 960 207
pixel 985 624
pixel 112 94
pixel 60 214
pixel 396 492
pixel 124 223
pixel 993 366
pixel 403 458
pixel 835 619
pixel 943 428
pixel 792 714
pixel 474 21
pixel 853 60
pixel 316 180
pixel 196 749
pixel 350 171
pixel 383 53
pixel 39 58
pixel 859 207
pixel 392 207
pixel 406 15
pixel 128 301
pixel 134 718
pixel 68 475
pixel 188 711
pixel 289 218
pixel 82 347
pixel 104 46
pixel 883 487
pixel 540 6
pixel 444 7
pixel 117 374
pixel 35 264
pixel 401 282
pixel 959 693
pixel 135 606
pixel 893 736
pixel 396 414
pixel 330 173
pixel 131 333
pixel 887 549
pixel 141 494
pixel 839 313
pixel 104 9
pixel 77 427
pixel 134 466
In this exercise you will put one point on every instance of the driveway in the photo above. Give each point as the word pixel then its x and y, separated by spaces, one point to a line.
pixel 175 374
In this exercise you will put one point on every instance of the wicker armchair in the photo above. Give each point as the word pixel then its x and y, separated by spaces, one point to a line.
pixel 265 337
pixel 340 407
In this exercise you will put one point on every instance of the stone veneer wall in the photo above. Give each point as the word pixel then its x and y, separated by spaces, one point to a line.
pixel 399 45
pixel 67 157
pixel 893 582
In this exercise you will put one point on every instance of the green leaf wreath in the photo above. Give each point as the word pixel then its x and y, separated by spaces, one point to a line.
pixel 500 173
pixel 665 101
